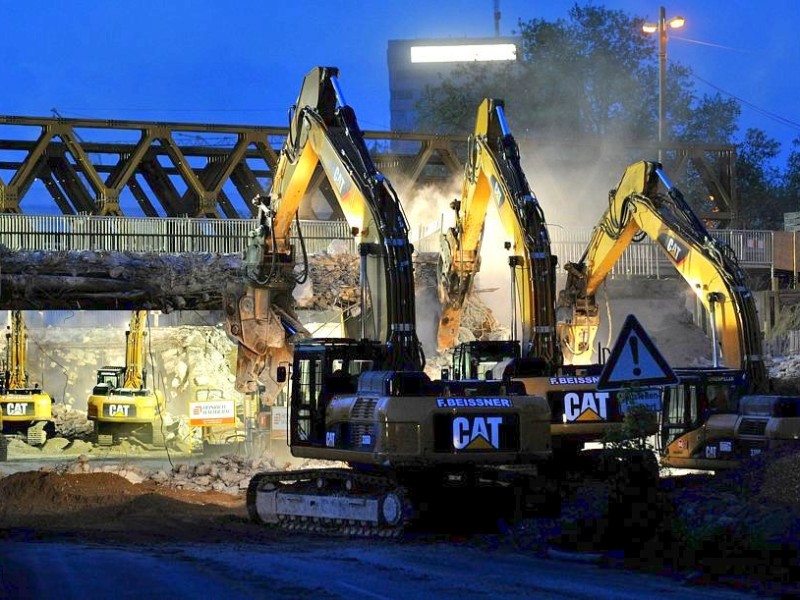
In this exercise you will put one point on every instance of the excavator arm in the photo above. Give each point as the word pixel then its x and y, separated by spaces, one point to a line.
pixel 493 173
pixel 135 352
pixel 260 319
pixel 17 344
pixel 637 209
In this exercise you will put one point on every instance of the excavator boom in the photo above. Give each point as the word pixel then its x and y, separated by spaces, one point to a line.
pixel 637 208
pixel 260 317
pixel 17 340
pixel 135 351
pixel 493 173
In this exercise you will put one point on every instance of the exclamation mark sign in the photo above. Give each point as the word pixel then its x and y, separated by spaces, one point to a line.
pixel 634 342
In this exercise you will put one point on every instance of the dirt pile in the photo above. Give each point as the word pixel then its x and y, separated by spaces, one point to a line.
pixel 106 507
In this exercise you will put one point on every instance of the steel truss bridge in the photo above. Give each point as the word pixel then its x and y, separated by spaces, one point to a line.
pixel 160 169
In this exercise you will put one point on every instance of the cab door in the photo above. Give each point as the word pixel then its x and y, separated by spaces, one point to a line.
pixel 306 422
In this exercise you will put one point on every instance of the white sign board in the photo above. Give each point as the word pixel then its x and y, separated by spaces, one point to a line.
pixel 218 412
pixel 280 421
pixel 649 399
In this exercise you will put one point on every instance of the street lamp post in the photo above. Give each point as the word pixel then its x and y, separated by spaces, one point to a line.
pixel 661 28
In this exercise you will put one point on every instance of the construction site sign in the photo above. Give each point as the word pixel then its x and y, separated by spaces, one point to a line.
pixel 635 361
pixel 217 412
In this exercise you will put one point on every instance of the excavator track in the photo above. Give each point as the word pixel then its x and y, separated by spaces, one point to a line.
pixel 338 502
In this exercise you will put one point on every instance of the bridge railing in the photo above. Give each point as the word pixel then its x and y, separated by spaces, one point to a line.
pixel 640 259
pixel 229 236
pixel 163 235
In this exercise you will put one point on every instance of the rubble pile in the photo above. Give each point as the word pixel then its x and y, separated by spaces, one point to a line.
pixel 333 281
pixel 71 423
pixel 229 474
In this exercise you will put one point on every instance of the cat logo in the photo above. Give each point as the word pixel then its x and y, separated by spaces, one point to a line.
pixel 17 409
pixel 119 410
pixel 585 406
pixel 476 433
pixel 497 191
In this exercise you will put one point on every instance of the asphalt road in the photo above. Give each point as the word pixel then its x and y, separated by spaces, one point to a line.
pixel 296 566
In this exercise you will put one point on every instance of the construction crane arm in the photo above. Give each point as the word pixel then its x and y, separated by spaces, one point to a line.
pixel 324 131
pixel 493 173
pixel 636 209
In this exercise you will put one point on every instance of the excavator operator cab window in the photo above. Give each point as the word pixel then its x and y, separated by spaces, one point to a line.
pixel 680 411
pixel 720 398
pixel 305 394
pixel 343 378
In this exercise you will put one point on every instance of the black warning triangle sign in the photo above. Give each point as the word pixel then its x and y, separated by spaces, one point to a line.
pixel 635 360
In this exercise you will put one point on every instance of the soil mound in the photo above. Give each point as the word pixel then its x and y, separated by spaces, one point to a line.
pixel 106 506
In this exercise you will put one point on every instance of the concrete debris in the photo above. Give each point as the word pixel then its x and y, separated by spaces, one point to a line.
pixel 335 281
pixel 786 367
pixel 180 360
pixel 71 423
pixel 230 474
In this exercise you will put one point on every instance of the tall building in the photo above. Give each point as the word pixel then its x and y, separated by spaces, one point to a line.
pixel 415 64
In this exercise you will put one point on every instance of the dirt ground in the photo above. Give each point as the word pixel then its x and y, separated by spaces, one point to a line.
pixel 106 507
pixel 735 529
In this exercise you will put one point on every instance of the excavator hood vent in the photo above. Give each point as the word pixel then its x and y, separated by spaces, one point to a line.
pixel 364 408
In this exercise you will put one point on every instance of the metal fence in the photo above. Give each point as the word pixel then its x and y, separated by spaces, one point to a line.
pixel 640 259
pixel 163 235
pixel 229 236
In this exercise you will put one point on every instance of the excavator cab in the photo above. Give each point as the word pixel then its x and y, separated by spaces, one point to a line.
pixel 476 359
pixel 109 378
pixel 700 393
pixel 321 369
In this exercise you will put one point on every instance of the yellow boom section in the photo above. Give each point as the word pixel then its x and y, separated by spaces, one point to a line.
pixel 636 207
pixel 493 173
pixel 17 349
pixel 135 351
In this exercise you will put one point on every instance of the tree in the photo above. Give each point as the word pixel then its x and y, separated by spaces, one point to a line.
pixel 758 182
pixel 591 76
pixel 589 82
pixel 791 179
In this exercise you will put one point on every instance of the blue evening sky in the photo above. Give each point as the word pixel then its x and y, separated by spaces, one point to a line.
pixel 243 61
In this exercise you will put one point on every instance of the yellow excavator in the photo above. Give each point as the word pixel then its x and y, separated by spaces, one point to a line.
pixel 27 410
pixel 718 415
pixel 411 443
pixel 121 404
pixel 579 412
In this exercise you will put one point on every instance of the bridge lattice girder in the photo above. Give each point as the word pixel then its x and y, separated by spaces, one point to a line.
pixel 212 170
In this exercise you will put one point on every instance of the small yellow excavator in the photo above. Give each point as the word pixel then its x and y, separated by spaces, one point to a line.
pixel 27 411
pixel 121 405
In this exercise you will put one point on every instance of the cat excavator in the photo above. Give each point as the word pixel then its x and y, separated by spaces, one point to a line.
pixel 27 410
pixel 580 413
pixel 715 416
pixel 411 444
pixel 121 404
